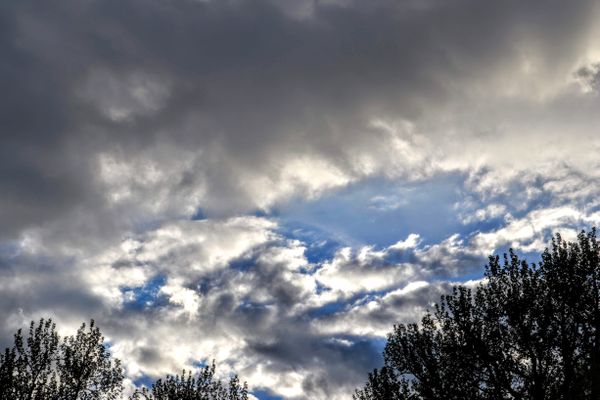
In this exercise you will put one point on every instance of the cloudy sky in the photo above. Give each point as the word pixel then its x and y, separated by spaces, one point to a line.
pixel 274 183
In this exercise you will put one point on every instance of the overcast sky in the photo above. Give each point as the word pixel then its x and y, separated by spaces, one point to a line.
pixel 274 184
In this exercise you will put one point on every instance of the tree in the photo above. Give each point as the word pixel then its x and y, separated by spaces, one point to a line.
pixel 42 367
pixel 202 386
pixel 28 367
pixel 86 370
pixel 530 332
pixel 383 384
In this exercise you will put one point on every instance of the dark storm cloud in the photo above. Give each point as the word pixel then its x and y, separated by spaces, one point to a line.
pixel 119 120
pixel 326 363
pixel 39 288
pixel 245 80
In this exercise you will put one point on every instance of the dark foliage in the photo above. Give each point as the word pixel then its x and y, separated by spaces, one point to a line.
pixel 202 386
pixel 383 384
pixel 530 332
pixel 42 367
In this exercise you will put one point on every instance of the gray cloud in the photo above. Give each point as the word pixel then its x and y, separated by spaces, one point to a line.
pixel 223 98
pixel 233 290
pixel 120 120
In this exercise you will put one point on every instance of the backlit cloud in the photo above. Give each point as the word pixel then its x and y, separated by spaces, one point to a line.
pixel 274 184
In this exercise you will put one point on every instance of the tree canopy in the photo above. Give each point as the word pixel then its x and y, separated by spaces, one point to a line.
pixel 529 331
pixel 42 366
pixel 202 386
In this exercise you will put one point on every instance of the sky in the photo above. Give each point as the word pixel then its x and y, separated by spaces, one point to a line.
pixel 273 184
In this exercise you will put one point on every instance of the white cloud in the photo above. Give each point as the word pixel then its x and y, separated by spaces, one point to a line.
pixel 530 233
pixel 110 150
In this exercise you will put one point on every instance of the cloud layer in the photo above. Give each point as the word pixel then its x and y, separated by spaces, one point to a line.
pixel 198 175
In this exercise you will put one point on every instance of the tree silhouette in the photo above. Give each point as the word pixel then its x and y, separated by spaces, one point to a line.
pixel 86 370
pixel 202 386
pixel 42 367
pixel 529 332
pixel 383 384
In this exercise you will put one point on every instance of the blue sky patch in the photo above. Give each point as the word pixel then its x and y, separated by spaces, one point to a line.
pixel 376 212
pixel 143 380
pixel 266 395
pixel 146 295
